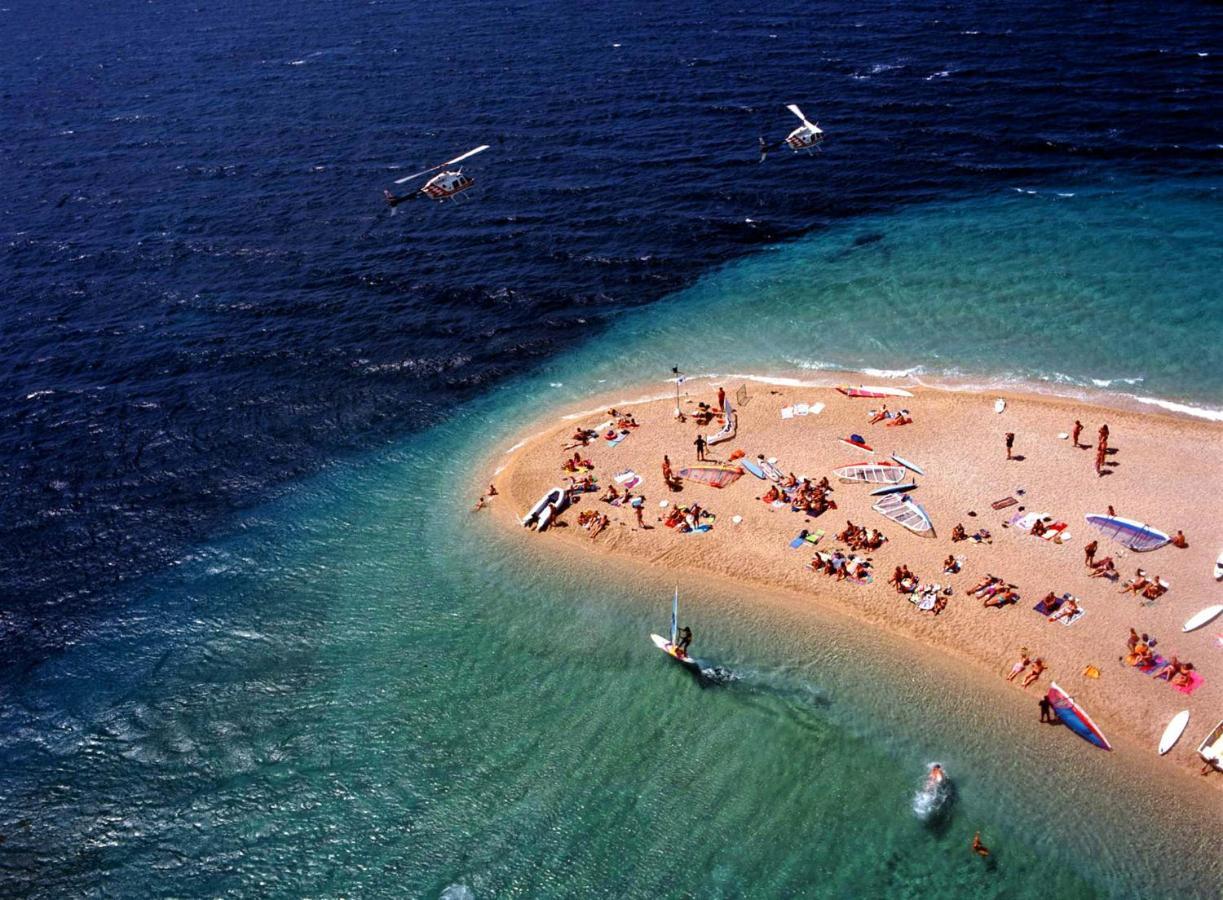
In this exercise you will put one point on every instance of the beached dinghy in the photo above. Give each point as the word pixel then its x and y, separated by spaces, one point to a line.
pixel 871 473
pixel 872 391
pixel 547 503
pixel 670 647
pixel 903 510
pixel 1075 717
pixel 1211 749
pixel 1135 535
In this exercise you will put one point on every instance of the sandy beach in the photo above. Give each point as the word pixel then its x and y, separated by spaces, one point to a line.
pixel 1163 470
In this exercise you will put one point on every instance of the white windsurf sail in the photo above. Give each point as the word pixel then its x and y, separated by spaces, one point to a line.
pixel 675 616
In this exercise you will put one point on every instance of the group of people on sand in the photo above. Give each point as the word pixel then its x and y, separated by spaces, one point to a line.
pixel 1066 607
pixel 807 496
pixel 838 565
pixel 904 581
pixel 1035 667
pixel 686 518
pixel 1150 588
pixel 892 419
pixel 576 463
pixel 1141 655
pixel 593 521
pixel 994 591
pixel 1100 568
pixel 959 534
pixel 859 537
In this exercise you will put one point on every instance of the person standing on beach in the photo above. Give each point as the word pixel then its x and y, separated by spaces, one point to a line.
pixel 1100 451
pixel 1103 438
pixel 1046 711
pixel 1010 442
pixel 667 476
pixel 1075 432
pixel 638 510
pixel 721 398
pixel 1089 552
pixel 700 448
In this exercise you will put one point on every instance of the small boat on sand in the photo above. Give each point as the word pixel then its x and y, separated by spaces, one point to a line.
pixel 542 512
pixel 1211 749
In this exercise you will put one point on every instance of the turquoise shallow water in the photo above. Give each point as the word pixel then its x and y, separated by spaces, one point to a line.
pixel 363 690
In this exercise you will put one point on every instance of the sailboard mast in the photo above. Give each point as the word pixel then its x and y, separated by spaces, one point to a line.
pixel 675 616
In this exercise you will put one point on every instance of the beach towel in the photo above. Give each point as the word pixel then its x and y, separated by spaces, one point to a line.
pixel 1195 682
pixel 1158 663
pixel 801 409
pixel 1070 620
pixel 1004 503
pixel 814 537
pixel 798 541
pixel 1049 609
pixel 787 412
pixel 612 442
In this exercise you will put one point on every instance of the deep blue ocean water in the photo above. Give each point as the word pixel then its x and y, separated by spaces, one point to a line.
pixel 206 304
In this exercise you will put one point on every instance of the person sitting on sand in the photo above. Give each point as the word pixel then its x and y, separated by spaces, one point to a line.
pixel 1135 584
pixel 1184 677
pixel 772 495
pixel 958 533
pixel 939 605
pixel 1140 656
pixel 881 415
pixel 611 495
pixel 1038 528
pixel 1178 540
pixel 1068 611
pixel 951 565
pixel 1168 669
pixel 1024 662
pixel 1037 668
pixel 1155 589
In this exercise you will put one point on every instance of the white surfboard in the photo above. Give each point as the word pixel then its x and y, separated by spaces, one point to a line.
pixel 1173 732
pixel 909 465
pixel 999 405
pixel 1206 615
pixel 671 650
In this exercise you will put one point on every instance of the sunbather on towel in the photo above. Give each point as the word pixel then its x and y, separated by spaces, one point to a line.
pixel 1066 612
pixel 1103 568
pixel 1184 677
pixel 1037 668
pixel 1001 598
pixel 899 420
pixel 984 583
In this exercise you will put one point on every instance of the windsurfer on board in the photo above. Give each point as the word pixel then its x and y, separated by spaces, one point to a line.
pixel 392 201
pixel 684 642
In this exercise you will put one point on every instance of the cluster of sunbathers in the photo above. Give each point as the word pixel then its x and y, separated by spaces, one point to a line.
pixel 804 495
pixel 689 518
pixel 993 591
pixel 1151 588
pixel 838 565
pixel 859 537
pixel 892 419
pixel 1141 655
pixel 959 534
pixel 1038 666
pixel 593 521
pixel 904 580
pixel 1059 608
pixel 575 463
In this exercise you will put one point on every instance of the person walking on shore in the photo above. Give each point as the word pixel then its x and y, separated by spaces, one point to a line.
pixel 1075 432
pixel 1010 442
pixel 700 448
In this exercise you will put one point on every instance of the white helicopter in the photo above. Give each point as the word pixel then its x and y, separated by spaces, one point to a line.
pixel 804 137
pixel 440 187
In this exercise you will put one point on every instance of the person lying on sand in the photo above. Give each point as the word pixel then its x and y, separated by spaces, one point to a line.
pixel 899 420
pixel 1024 662
pixel 1103 569
pixel 1037 668
pixel 881 415
pixel 1135 584
pixel 984 583
pixel 1154 589
pixel 1168 669
pixel 1001 598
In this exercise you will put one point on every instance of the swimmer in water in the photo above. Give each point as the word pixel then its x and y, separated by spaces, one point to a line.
pixel 936 776
pixel 979 848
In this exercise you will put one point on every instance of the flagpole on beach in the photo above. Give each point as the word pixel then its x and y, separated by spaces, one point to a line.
pixel 679 379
